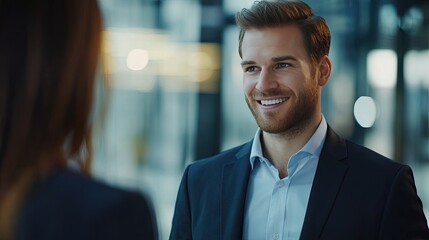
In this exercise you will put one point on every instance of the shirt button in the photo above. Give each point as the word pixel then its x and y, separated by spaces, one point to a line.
pixel 276 236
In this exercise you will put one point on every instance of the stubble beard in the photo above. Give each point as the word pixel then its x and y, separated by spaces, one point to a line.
pixel 294 121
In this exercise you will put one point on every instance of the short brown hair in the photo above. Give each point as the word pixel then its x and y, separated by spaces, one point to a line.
pixel 262 14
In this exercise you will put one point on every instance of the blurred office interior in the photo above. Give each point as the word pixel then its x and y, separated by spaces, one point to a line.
pixel 176 91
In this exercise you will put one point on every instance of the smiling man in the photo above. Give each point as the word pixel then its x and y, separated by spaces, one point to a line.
pixel 296 179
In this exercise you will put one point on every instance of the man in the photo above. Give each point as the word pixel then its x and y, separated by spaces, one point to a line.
pixel 296 179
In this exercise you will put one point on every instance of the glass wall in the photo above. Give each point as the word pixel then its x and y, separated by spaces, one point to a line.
pixel 176 93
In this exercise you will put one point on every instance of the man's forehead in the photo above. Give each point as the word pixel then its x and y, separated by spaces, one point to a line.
pixel 273 42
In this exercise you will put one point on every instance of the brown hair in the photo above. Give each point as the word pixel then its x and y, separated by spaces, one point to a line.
pixel 49 55
pixel 282 12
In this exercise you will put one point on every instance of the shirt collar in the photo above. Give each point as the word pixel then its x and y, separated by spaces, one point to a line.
pixel 312 147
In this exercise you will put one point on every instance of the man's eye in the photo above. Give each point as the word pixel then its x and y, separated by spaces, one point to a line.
pixel 250 69
pixel 283 65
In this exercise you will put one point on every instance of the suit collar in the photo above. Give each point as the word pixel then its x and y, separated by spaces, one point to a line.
pixel 326 184
pixel 235 177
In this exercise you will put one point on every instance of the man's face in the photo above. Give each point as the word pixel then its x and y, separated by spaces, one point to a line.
pixel 278 80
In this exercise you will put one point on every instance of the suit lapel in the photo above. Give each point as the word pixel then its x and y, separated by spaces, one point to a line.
pixel 327 182
pixel 235 177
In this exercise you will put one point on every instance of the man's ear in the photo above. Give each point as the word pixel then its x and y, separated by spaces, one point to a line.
pixel 325 67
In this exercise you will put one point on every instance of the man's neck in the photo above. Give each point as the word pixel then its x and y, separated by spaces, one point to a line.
pixel 279 147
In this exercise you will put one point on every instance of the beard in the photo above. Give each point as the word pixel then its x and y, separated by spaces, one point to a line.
pixel 291 122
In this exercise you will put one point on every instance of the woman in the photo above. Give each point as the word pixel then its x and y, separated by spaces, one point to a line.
pixel 49 52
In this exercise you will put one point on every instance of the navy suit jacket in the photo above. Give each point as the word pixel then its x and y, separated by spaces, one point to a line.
pixel 356 194
pixel 70 206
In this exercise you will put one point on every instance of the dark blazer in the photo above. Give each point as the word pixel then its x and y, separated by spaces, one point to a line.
pixel 70 206
pixel 356 194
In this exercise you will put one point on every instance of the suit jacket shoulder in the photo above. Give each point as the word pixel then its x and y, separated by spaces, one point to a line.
pixel 210 200
pixel 68 205
pixel 369 158
pixel 360 194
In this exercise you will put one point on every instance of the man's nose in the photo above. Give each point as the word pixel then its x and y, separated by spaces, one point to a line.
pixel 266 81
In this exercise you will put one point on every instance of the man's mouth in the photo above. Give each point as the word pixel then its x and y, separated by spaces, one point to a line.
pixel 272 101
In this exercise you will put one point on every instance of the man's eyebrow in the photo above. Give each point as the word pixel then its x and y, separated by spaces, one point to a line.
pixel 273 59
pixel 247 62
pixel 283 58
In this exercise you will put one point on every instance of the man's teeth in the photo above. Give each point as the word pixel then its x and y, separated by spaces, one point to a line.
pixel 273 101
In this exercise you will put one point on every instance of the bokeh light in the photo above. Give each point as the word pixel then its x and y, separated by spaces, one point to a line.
pixel 137 59
pixel 365 111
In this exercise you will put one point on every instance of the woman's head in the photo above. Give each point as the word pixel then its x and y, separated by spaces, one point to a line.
pixel 49 53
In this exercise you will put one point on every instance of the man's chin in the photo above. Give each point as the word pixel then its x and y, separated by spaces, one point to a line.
pixel 271 128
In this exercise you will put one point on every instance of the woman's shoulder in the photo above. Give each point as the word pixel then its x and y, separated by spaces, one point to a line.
pixel 74 205
pixel 73 188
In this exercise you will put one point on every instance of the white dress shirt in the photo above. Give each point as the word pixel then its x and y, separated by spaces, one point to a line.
pixel 275 208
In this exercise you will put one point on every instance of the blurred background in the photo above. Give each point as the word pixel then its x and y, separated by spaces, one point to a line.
pixel 176 87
